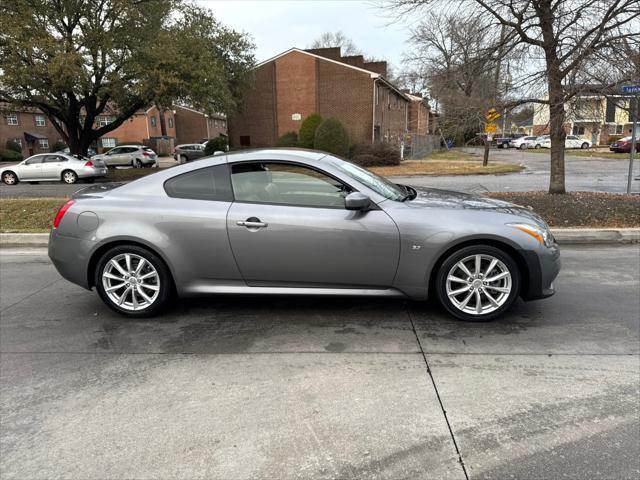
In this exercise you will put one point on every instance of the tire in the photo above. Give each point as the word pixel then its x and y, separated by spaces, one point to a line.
pixel 144 296
pixel 69 177
pixel 137 164
pixel 584 146
pixel 465 306
pixel 183 159
pixel 10 178
pixel 523 146
pixel 537 146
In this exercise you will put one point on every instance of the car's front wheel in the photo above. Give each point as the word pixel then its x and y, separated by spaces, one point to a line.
pixel 584 146
pixel 478 283
pixel 523 146
pixel 9 178
pixel 133 281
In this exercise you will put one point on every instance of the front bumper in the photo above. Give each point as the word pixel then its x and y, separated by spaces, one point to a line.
pixel 543 267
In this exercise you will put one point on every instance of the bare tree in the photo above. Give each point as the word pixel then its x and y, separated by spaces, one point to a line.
pixel 336 39
pixel 562 37
pixel 459 60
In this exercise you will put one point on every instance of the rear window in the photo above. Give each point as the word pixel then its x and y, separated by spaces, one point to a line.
pixel 211 183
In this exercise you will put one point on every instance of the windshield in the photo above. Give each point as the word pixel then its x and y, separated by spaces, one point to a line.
pixel 378 184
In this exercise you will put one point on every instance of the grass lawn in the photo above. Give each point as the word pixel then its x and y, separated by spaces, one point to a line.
pixel 447 162
pixel 583 153
pixel 580 209
pixel 29 215
pixel 128 174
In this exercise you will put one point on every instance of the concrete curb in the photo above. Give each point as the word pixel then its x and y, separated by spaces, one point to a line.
pixel 564 236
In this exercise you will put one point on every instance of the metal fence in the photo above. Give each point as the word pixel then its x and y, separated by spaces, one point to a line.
pixel 421 145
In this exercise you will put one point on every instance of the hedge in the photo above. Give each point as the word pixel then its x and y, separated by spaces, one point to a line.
pixel 307 134
pixel 332 137
pixel 7 155
pixel 377 155
pixel 289 139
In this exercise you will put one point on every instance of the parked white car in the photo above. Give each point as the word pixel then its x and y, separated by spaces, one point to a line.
pixel 572 141
pixel 46 167
pixel 522 142
pixel 539 141
pixel 137 156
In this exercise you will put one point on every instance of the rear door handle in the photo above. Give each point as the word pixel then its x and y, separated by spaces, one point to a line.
pixel 252 222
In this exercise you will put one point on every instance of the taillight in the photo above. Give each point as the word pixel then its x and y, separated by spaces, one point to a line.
pixel 146 154
pixel 61 212
pixel 88 163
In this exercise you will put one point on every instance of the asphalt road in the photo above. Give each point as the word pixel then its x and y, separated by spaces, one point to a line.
pixel 583 174
pixel 315 388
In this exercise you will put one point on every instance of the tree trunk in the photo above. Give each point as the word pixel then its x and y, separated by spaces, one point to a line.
pixel 163 123
pixel 557 118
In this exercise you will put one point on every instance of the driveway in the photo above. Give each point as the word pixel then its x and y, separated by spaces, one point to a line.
pixel 318 388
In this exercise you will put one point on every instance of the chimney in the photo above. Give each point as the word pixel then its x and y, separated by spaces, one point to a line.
pixel 377 67
pixel 332 53
pixel 355 60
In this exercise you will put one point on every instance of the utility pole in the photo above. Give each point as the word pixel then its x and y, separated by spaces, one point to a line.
pixel 632 152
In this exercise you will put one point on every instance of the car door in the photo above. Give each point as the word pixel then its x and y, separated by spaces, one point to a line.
pixel 113 157
pixel 52 166
pixel 198 151
pixel 288 227
pixel 571 141
pixel 31 168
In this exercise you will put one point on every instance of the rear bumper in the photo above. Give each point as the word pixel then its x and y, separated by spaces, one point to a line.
pixel 70 257
pixel 543 268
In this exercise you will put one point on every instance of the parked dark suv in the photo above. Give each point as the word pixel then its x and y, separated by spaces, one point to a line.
pixel 188 152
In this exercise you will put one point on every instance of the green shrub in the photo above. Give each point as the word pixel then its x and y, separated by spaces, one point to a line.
pixel 332 137
pixel 218 144
pixel 289 139
pixel 307 134
pixel 7 155
pixel 375 155
pixel 58 146
pixel 15 146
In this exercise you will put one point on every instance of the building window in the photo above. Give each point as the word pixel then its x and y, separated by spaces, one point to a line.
pixel 40 120
pixel 578 130
pixel 104 120
pixel 18 141
pixel 170 122
pixel 153 120
pixel 12 119
pixel 108 142
pixel 43 143
pixel 616 129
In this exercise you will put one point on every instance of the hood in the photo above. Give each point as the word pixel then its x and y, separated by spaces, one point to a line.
pixel 12 165
pixel 449 199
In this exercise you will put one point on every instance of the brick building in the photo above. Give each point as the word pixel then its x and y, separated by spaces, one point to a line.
pixel 193 126
pixel 144 124
pixel 291 86
pixel 28 127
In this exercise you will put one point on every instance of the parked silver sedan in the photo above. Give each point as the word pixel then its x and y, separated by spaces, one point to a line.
pixel 287 221
pixel 57 166
pixel 137 156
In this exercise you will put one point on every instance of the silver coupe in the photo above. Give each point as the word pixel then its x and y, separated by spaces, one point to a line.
pixel 287 221
pixel 57 166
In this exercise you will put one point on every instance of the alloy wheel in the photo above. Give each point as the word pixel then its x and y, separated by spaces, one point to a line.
pixel 131 282
pixel 69 177
pixel 9 178
pixel 478 284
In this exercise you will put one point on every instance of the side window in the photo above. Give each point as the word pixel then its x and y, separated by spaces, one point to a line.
pixel 114 151
pixel 34 160
pixel 286 184
pixel 211 183
pixel 54 159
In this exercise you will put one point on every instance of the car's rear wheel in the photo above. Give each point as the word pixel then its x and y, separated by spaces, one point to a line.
pixel 537 145
pixel 133 281
pixel 523 146
pixel 183 159
pixel 10 178
pixel 69 176
pixel 137 163
pixel 478 283
pixel 584 146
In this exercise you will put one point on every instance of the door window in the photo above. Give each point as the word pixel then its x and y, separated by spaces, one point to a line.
pixel 286 184
pixel 211 183
pixel 54 159
pixel 34 160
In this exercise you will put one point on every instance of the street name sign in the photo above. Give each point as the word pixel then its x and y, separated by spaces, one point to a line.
pixel 631 88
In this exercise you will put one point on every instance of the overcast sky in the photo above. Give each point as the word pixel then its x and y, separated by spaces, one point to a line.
pixel 279 25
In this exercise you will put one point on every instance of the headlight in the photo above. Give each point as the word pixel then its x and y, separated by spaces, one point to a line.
pixel 543 235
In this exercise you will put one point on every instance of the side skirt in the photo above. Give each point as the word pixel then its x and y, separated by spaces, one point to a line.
pixel 245 290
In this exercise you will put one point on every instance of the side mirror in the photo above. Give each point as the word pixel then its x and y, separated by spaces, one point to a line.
pixel 356 201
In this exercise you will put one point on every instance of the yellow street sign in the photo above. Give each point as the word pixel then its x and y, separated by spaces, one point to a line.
pixel 490 128
pixel 492 115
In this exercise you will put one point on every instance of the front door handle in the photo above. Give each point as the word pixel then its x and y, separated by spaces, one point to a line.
pixel 252 222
